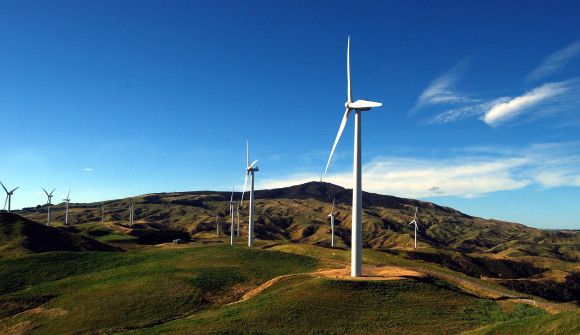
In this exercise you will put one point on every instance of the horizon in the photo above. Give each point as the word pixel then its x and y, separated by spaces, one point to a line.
pixel 111 100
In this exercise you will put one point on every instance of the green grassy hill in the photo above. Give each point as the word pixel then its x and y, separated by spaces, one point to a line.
pixel 20 236
pixel 540 262
pixel 185 289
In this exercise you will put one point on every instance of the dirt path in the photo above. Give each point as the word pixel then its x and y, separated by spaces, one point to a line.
pixel 371 273
pixel 493 293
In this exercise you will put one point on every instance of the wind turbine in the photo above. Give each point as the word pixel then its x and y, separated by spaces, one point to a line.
pixel 415 222
pixel 358 106
pixel 103 213
pixel 232 203
pixel 49 195
pixel 331 215
pixel 67 200
pixel 238 212
pixel 8 196
pixel 217 223
pixel 131 212
pixel 250 169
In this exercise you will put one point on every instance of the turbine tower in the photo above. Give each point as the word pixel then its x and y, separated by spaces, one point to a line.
pixel 232 203
pixel 67 200
pixel 217 223
pixel 103 213
pixel 358 106
pixel 331 215
pixel 49 195
pixel 250 169
pixel 415 222
pixel 131 213
pixel 8 196
pixel 238 213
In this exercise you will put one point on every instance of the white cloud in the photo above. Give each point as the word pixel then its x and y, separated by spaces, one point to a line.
pixel 88 169
pixel 476 173
pixel 466 111
pixel 505 111
pixel 441 91
pixel 555 61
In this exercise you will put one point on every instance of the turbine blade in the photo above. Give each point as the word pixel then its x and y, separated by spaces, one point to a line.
pixel 45 191
pixel 5 202
pixel 52 191
pixel 251 165
pixel 245 183
pixel 360 104
pixel 342 124
pixel 348 70
pixel 332 210
pixel 4 187
pixel 68 195
pixel 416 208
pixel 247 154
pixel 14 189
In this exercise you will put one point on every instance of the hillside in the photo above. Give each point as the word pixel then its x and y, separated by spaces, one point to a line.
pixel 541 262
pixel 20 236
pixel 285 289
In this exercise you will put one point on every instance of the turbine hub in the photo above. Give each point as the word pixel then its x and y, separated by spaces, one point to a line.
pixel 346 104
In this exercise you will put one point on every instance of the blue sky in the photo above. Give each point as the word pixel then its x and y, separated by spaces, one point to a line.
pixel 113 99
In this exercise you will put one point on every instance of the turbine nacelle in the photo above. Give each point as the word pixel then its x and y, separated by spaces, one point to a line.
pixel 363 105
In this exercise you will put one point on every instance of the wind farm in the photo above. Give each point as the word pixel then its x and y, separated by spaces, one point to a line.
pixel 455 216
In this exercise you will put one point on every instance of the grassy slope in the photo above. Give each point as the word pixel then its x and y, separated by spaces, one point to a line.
pixel 82 292
pixel 561 324
pixel 299 214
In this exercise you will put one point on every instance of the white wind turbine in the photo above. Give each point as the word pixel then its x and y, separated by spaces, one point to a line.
pixel 67 200
pixel 49 195
pixel 217 223
pixel 232 203
pixel 250 169
pixel 238 213
pixel 415 222
pixel 131 213
pixel 331 215
pixel 358 106
pixel 8 196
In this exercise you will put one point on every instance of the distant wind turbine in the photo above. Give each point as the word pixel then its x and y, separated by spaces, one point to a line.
pixel 49 195
pixel 217 223
pixel 331 215
pixel 238 213
pixel 415 222
pixel 8 196
pixel 67 200
pixel 232 203
pixel 358 106
pixel 103 213
pixel 131 213
pixel 250 169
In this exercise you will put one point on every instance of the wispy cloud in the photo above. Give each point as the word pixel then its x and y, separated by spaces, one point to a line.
pixel 88 169
pixel 442 91
pixel 540 102
pixel 505 111
pixel 474 174
pixel 555 61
